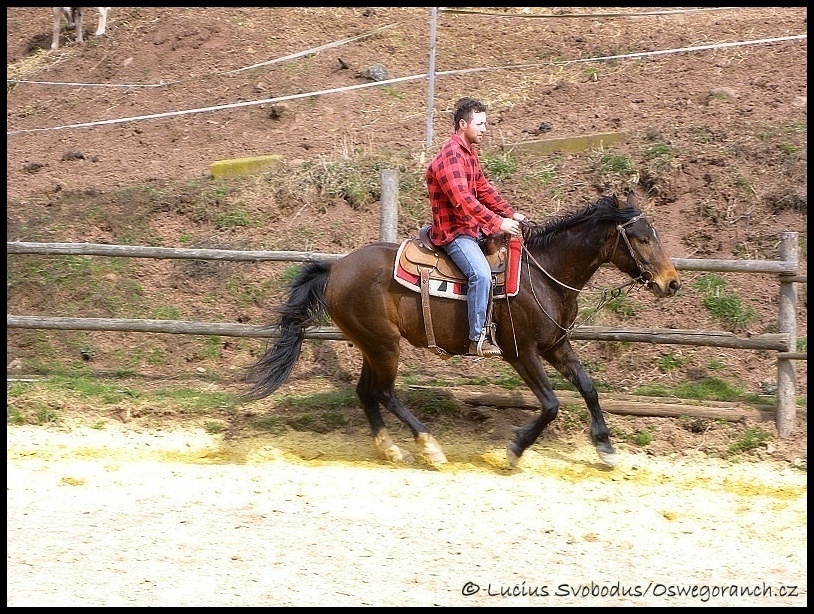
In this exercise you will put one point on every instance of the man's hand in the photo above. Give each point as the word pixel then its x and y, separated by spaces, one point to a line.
pixel 519 217
pixel 511 226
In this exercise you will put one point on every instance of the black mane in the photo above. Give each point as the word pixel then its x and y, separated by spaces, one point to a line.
pixel 605 208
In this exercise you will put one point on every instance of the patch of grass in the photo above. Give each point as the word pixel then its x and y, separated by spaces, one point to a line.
pixel 789 149
pixel 249 292
pixel 715 365
pixel 128 359
pixel 166 312
pixel 726 307
pixel 211 349
pixel 619 164
pixel 14 416
pixel 342 178
pixel 574 417
pixel 670 362
pixel 643 437
pixel 319 422
pixel 214 428
pixel 593 366
pixel 710 284
pixel 107 392
pixel 91 285
pixel 430 403
pixel 659 151
pixel 729 309
pixel 393 92
pixel 703 134
pixel 745 185
pixel 273 424
pixel 659 163
pixel 711 389
pixel 233 219
pixel 621 306
pixel 102 391
pixel 46 415
pixel 717 95
pixel 498 165
pixel 544 174
pixel 193 400
pixel 289 273
pixel 752 438
pixel 335 399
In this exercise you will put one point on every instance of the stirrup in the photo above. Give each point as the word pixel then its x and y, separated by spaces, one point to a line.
pixel 484 348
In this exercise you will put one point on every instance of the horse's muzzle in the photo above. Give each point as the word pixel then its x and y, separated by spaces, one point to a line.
pixel 664 288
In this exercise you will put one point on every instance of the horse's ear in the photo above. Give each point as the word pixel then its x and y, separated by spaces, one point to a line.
pixel 632 199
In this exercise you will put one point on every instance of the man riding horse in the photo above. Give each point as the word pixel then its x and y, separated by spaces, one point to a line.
pixel 466 209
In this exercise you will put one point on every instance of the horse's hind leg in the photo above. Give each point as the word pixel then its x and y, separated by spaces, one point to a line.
pixel 385 447
pixel 378 386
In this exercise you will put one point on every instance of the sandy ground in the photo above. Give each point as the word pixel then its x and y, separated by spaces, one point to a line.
pixel 129 517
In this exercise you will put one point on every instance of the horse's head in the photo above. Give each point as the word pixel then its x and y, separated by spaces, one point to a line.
pixel 638 252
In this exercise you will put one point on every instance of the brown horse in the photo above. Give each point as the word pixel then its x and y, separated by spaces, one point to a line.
pixel 359 294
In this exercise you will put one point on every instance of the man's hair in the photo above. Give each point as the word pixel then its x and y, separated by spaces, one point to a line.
pixel 465 108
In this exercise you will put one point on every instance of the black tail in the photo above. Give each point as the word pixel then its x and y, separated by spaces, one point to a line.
pixel 304 307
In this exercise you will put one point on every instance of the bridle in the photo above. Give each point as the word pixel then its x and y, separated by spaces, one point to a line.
pixel 645 277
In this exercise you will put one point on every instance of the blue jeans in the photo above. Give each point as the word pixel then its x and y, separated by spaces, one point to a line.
pixel 467 254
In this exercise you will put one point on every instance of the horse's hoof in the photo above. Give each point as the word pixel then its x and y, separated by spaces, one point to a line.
pixel 394 454
pixel 513 454
pixel 436 458
pixel 431 449
pixel 609 458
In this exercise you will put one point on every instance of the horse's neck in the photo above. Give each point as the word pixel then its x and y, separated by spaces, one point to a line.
pixel 568 265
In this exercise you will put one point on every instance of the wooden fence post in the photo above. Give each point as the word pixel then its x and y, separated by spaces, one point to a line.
pixel 388 230
pixel 786 417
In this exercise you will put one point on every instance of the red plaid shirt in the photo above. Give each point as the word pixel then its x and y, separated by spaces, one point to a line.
pixel 463 201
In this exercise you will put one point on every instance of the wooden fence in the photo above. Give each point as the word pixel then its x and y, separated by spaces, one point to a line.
pixel 784 341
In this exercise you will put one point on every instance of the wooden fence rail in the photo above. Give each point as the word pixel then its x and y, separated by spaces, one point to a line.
pixel 669 336
pixel 784 341
pixel 135 251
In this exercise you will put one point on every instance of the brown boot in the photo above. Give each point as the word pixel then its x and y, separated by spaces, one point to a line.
pixel 483 348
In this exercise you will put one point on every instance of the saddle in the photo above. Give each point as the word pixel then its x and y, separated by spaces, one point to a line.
pixel 424 267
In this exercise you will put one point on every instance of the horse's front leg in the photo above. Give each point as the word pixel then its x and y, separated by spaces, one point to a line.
pixel 530 368
pixel 565 360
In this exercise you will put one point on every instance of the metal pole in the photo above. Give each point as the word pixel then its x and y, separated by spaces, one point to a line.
pixel 431 76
